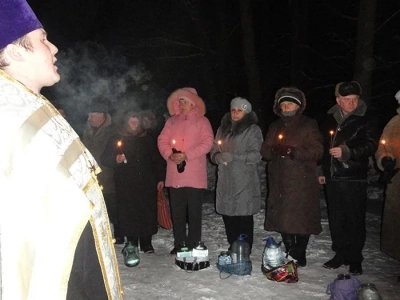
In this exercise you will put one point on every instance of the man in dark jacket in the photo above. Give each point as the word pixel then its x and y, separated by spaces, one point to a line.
pixel 98 131
pixel 350 138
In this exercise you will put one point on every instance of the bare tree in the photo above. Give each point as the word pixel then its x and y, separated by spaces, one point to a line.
pixel 299 13
pixel 251 66
pixel 364 61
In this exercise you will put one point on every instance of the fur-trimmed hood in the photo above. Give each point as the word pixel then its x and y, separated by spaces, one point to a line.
pixel 228 126
pixel 289 91
pixel 186 92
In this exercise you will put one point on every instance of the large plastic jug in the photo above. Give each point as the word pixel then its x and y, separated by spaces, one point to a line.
pixel 240 250
pixel 273 255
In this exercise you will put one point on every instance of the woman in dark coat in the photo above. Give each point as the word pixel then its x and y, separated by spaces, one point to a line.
pixel 293 145
pixel 139 172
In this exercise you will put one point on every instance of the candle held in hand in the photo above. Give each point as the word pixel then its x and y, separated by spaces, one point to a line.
pixel 331 133
pixel 119 144
pixel 383 142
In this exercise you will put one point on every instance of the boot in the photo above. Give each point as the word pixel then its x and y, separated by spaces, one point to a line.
pixel 131 255
pixel 301 246
pixel 289 242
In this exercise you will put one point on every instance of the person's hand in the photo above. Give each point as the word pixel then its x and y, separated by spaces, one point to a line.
pixel 336 152
pixel 284 150
pixel 388 163
pixel 120 158
pixel 160 185
pixel 223 157
pixel 178 157
pixel 321 179
pixel 389 170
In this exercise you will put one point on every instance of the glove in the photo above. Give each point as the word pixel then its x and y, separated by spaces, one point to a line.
pixel 223 157
pixel 389 170
pixel 388 164
pixel 284 150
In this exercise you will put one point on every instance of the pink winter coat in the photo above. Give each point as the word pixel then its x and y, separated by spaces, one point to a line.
pixel 193 135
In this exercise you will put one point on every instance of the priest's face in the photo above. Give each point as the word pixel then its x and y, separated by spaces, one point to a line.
pixel 39 61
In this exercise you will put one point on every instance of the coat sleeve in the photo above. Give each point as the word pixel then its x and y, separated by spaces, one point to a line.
pixel 158 164
pixel 215 149
pixel 311 148
pixel 164 140
pixel 389 135
pixel 368 146
pixel 205 143
pixel 266 147
pixel 252 153
pixel 108 157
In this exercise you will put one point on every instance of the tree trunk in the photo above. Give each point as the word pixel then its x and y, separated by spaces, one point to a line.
pixel 253 77
pixel 364 62
pixel 299 12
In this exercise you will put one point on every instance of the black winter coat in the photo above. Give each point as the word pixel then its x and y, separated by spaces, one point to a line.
pixel 136 182
pixel 358 135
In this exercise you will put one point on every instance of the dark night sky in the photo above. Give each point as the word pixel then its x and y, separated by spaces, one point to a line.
pixel 164 36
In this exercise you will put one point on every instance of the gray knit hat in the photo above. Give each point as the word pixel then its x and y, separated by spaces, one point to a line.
pixel 241 103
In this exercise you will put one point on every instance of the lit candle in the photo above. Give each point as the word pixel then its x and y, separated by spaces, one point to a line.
pixel 219 143
pixel 331 133
pixel 383 142
pixel 120 150
pixel 280 137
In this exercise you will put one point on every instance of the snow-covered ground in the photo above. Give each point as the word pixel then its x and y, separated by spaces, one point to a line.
pixel 157 277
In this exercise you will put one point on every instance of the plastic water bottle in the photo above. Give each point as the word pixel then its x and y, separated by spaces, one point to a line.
pixel 200 250
pixel 183 250
pixel 273 255
pixel 240 250
pixel 368 291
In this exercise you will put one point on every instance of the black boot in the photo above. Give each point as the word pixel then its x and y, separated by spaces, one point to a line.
pixel 289 242
pixel 301 246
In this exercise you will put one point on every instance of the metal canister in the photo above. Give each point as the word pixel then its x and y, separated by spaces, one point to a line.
pixel 224 258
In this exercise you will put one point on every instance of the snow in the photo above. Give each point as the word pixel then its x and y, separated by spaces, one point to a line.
pixel 157 277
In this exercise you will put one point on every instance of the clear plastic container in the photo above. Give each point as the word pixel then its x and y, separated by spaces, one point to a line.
pixel 200 250
pixel 273 255
pixel 240 250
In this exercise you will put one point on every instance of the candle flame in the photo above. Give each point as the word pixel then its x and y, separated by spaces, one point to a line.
pixel 119 143
pixel 331 132
pixel 173 142
pixel 383 142
pixel 280 136
pixel 219 142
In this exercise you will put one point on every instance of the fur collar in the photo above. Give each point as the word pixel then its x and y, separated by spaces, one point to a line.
pixel 229 127
pixel 360 110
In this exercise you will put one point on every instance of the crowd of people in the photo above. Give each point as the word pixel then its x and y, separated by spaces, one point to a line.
pixel 74 189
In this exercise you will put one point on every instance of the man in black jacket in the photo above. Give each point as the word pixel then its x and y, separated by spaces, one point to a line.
pixel 350 138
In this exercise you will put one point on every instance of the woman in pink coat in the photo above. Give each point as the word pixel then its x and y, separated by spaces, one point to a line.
pixel 184 142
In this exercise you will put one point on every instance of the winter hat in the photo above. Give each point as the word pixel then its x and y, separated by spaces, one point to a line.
pixel 397 96
pixel 288 97
pixel 348 88
pixel 241 103
pixel 189 94
pixel 16 20
pixel 99 107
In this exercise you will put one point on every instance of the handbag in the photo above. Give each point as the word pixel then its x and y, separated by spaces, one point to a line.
pixel 344 287
pixel 163 211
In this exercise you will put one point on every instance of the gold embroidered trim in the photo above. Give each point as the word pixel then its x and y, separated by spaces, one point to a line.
pixel 100 256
